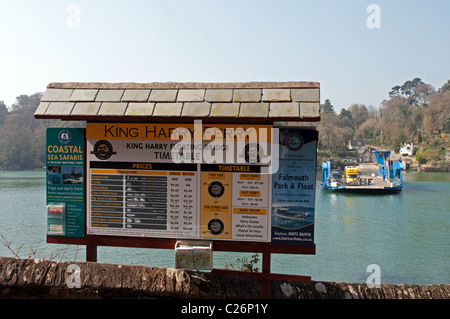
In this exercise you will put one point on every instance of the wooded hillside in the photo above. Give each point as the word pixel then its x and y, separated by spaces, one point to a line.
pixel 22 137
pixel 414 113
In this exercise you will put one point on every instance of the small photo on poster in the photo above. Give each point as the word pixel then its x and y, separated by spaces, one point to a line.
pixel 54 175
pixel 292 217
pixel 72 174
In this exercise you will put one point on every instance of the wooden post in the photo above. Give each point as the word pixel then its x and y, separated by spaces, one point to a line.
pixel 91 253
pixel 265 285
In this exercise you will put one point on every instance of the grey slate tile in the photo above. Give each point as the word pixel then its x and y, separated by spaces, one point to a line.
pixel 254 110
pixel 60 108
pixel 198 109
pixel 219 95
pixel 194 95
pixel 305 95
pixel 225 109
pixel 139 109
pixel 42 107
pixel 157 95
pixel 167 109
pixel 276 95
pixel 57 95
pixel 85 108
pixel 109 95
pixel 288 109
pixel 110 108
pixel 83 95
pixel 131 95
pixel 310 109
pixel 247 95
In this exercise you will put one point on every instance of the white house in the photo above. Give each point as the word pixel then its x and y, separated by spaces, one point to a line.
pixel 356 143
pixel 406 150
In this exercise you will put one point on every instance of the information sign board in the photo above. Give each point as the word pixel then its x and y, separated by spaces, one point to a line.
pixel 142 181
pixel 65 181
pixel 137 185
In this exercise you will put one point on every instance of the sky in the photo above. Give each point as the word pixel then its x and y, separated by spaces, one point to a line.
pixel 357 50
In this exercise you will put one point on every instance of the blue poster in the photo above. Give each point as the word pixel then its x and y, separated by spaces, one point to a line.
pixel 294 187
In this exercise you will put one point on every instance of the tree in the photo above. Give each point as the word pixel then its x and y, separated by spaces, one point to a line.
pixel 446 86
pixel 327 107
pixel 412 113
pixel 3 111
pixel 419 156
pixel 427 125
pixel 368 129
pixel 345 119
pixel 421 93
pixel 22 137
pixel 359 113
pixel 447 124
pixel 415 82
pixel 373 112
pixel 395 91
pixel 406 88
pixel 27 102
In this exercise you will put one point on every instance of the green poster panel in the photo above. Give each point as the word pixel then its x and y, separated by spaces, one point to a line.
pixel 65 182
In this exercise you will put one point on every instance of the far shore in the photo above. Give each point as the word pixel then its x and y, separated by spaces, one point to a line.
pixel 423 168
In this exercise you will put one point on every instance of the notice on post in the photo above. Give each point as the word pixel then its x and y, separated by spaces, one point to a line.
pixel 65 177
pixel 294 187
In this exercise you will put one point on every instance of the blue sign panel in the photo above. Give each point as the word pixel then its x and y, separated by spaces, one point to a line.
pixel 294 187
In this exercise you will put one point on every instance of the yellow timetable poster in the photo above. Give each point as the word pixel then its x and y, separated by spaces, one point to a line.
pixel 234 202
pixel 215 205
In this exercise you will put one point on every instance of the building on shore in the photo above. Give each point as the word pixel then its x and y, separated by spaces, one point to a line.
pixel 406 149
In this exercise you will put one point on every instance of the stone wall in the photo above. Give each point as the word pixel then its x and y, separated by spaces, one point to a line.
pixel 30 278
pixel 429 168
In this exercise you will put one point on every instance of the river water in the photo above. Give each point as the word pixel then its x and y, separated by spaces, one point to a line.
pixel 407 235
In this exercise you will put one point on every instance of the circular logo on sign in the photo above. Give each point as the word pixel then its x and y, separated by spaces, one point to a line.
pixel 215 226
pixel 216 189
pixel 294 141
pixel 64 137
pixel 253 153
pixel 103 150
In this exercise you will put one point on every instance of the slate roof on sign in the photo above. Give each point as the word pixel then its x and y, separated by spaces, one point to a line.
pixel 181 102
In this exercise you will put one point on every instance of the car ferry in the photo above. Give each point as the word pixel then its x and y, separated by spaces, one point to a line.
pixel 389 177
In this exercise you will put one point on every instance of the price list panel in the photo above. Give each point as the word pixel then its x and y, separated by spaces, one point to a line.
pixel 181 211
pixel 143 203
pixel 106 200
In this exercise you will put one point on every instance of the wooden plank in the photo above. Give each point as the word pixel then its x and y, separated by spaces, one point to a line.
pixel 168 243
